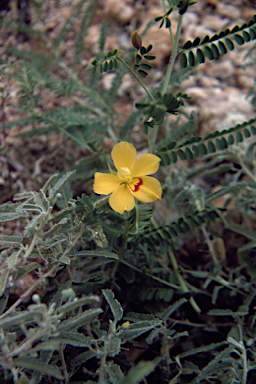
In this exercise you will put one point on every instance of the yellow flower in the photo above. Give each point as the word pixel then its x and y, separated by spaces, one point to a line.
pixel 131 180
pixel 126 324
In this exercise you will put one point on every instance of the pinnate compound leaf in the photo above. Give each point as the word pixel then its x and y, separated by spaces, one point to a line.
pixel 246 36
pixel 149 57
pixel 145 66
pixel 200 56
pixel 174 157
pixel 191 59
pixel 196 42
pixel 253 130
pixel 209 53
pixel 239 39
pixel 189 154
pixel 215 51
pixel 250 152
pixel 142 73
pixel 183 60
pixel 222 47
pixel 229 44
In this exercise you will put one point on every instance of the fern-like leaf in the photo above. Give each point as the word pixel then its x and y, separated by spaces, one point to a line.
pixel 195 52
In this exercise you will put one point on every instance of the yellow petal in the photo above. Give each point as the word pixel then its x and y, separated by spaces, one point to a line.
pixel 146 164
pixel 150 190
pixel 105 183
pixel 121 199
pixel 124 155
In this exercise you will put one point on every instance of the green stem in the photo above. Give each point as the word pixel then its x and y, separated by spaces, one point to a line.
pixel 64 367
pixel 167 79
pixel 246 170
pixel 209 244
pixel 121 249
pixel 102 366
pixel 152 138
pixel 179 277
pixel 242 353
pixel 170 29
pixel 28 292
pixel 173 55
pixel 136 76
pixel 167 283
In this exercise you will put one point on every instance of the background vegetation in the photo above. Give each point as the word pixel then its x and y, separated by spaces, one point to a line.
pixel 165 293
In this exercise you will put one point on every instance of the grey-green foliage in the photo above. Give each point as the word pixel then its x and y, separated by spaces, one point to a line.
pixel 49 328
pixel 46 328
pixel 51 234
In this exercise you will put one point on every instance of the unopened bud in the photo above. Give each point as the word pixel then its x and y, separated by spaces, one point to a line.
pixel 136 40
pixel 36 298
pixel 68 294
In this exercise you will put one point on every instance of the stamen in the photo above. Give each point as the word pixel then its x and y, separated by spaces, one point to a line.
pixel 124 174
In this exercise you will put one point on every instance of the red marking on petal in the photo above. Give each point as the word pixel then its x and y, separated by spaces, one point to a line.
pixel 136 187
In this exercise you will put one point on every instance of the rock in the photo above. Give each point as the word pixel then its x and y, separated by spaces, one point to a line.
pixel 221 69
pixel 243 80
pixel 218 108
pixel 208 81
pixel 229 121
pixel 189 28
pixel 215 23
pixel 228 10
pixel 91 39
pixel 197 94
pixel 120 11
pixel 124 41
pixel 202 31
pixel 130 87
pixel 106 81
pixel 248 13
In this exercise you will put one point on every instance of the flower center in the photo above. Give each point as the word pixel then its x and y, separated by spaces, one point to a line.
pixel 135 184
pixel 124 174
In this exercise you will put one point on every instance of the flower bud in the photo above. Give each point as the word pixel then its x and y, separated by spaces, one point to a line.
pixel 136 40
